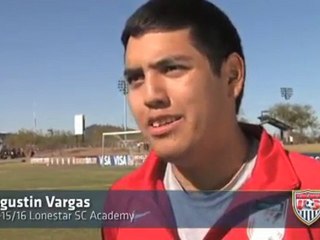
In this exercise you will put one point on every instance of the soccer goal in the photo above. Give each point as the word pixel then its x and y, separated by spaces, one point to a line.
pixel 130 146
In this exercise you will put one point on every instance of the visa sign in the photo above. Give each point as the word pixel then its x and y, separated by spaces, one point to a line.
pixel 115 160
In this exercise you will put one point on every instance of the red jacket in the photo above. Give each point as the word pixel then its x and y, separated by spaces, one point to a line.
pixel 276 170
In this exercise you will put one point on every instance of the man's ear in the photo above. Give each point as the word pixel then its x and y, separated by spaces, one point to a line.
pixel 235 74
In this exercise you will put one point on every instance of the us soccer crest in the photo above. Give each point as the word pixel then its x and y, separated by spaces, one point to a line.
pixel 306 205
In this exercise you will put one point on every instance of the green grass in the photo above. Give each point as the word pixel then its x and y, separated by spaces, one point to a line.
pixel 304 148
pixel 24 176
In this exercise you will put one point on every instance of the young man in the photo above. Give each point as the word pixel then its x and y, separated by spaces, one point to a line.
pixel 185 67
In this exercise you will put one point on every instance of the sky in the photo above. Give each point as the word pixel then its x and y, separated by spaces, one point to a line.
pixel 59 58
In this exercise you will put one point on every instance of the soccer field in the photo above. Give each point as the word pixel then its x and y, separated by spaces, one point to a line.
pixel 24 176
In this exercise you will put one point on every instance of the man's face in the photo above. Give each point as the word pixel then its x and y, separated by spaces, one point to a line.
pixel 179 104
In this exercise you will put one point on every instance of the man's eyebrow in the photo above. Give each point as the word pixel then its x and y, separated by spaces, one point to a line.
pixel 132 71
pixel 171 60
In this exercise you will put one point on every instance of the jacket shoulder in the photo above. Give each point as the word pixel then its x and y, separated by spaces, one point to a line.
pixel 307 169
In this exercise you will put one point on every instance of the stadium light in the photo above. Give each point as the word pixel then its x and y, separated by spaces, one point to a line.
pixel 123 88
pixel 286 92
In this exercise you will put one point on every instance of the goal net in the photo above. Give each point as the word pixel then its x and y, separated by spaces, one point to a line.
pixel 126 148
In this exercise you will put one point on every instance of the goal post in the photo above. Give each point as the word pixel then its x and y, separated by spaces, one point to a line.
pixel 130 146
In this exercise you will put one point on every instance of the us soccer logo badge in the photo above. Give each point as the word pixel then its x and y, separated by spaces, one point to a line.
pixel 306 205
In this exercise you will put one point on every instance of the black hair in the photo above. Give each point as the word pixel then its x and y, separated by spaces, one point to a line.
pixel 212 32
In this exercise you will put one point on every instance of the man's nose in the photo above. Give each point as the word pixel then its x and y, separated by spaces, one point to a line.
pixel 156 95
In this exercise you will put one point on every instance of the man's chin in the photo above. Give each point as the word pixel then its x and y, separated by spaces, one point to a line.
pixel 170 154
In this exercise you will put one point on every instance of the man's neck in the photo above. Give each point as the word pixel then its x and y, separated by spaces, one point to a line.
pixel 215 167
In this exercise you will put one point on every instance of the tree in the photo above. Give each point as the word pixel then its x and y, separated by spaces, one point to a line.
pixel 301 117
pixel 57 139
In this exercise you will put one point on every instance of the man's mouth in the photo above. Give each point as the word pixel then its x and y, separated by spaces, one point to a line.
pixel 162 125
pixel 156 123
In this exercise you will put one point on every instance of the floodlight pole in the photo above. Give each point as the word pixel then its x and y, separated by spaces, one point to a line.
pixel 123 88
pixel 125 113
pixel 34 117
pixel 286 93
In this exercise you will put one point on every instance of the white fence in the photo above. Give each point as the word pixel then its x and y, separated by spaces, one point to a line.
pixel 65 161
pixel 104 161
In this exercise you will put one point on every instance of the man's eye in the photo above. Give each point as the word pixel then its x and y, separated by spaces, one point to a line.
pixel 172 68
pixel 134 78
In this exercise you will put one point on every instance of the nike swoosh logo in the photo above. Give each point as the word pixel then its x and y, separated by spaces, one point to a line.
pixel 140 215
